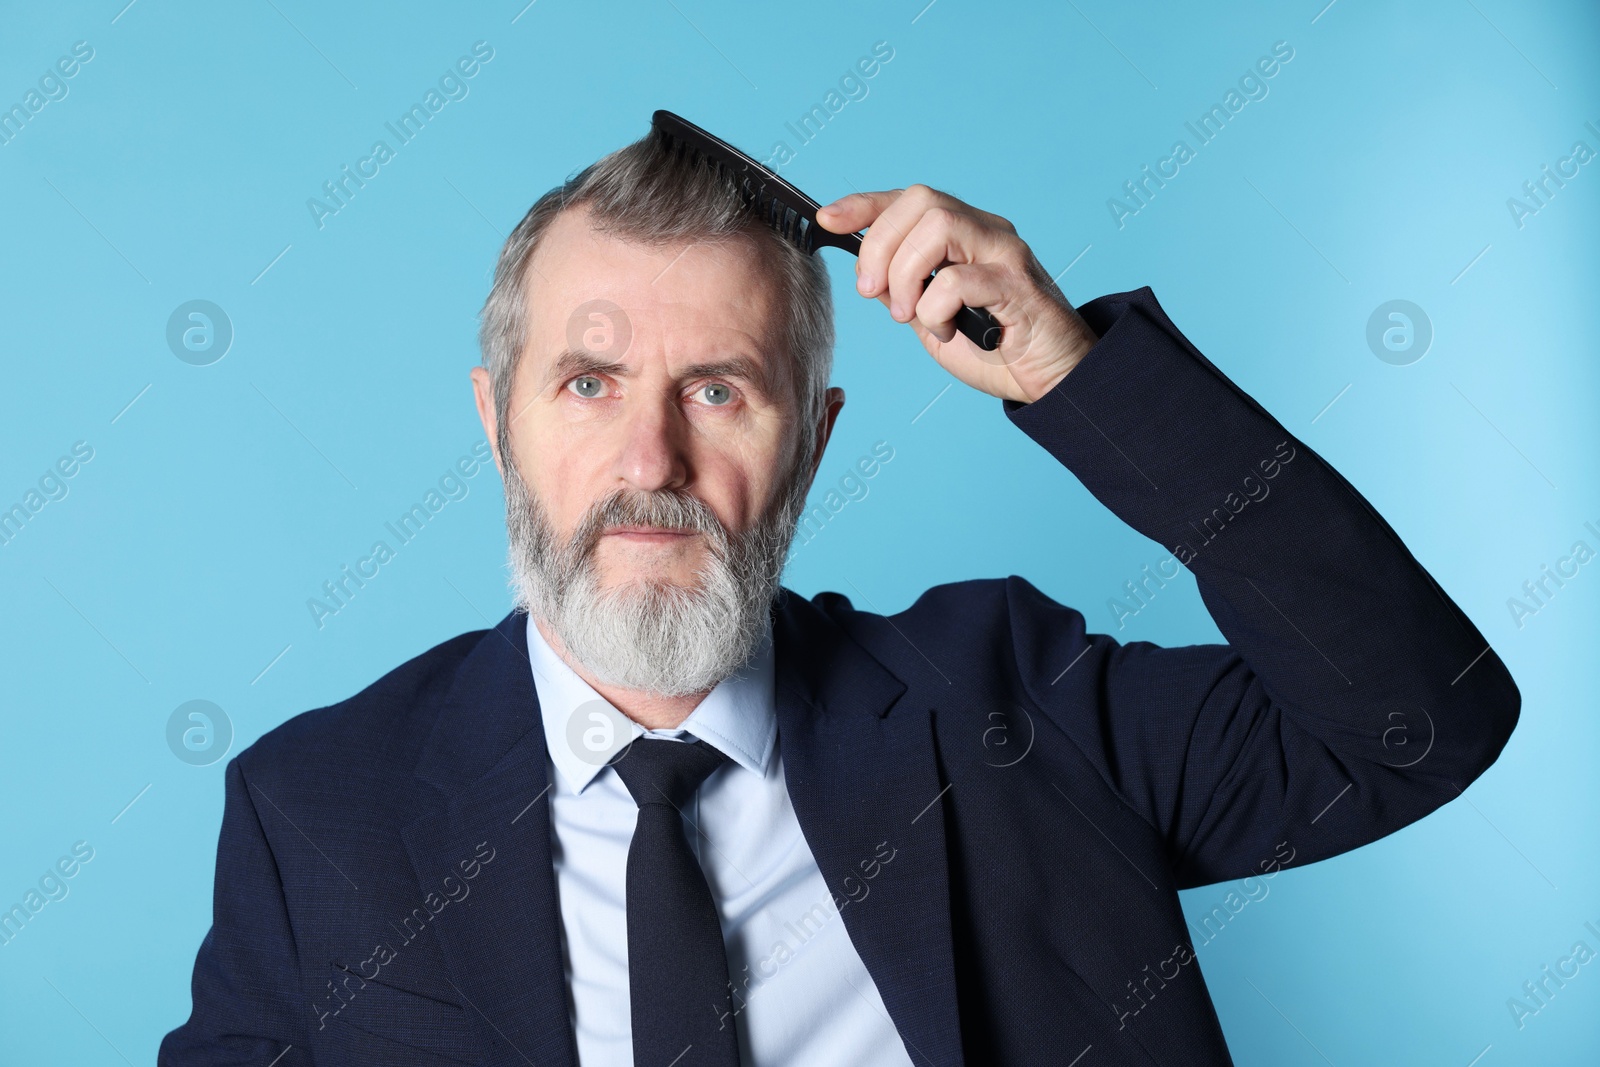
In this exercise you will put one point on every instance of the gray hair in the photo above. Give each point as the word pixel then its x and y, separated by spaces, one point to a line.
pixel 648 194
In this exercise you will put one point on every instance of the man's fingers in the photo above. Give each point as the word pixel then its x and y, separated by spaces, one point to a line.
pixel 918 327
pixel 941 235
pixel 882 242
pixel 981 263
pixel 855 211
pixel 961 284
pixel 916 254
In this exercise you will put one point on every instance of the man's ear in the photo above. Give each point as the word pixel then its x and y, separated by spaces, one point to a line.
pixel 833 400
pixel 483 396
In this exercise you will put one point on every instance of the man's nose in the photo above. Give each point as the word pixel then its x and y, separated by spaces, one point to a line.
pixel 655 438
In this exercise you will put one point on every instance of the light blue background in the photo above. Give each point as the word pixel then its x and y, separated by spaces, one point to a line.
pixel 179 565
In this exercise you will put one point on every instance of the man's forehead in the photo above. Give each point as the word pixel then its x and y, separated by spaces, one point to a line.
pixel 575 261
pixel 583 279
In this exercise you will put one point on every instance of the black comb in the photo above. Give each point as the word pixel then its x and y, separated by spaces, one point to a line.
pixel 791 213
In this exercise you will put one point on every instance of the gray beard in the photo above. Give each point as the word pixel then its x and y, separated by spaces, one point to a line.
pixel 648 635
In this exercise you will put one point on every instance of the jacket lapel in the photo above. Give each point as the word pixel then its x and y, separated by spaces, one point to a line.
pixel 486 755
pixel 866 788
pixel 864 783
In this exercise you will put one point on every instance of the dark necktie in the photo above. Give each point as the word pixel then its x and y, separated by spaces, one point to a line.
pixel 677 965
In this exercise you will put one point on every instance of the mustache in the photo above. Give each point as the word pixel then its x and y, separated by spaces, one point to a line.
pixel 664 509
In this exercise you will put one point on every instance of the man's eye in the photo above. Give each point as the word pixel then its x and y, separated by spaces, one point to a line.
pixel 717 394
pixel 587 386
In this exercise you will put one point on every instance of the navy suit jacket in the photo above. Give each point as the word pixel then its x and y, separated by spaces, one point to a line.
pixel 1003 803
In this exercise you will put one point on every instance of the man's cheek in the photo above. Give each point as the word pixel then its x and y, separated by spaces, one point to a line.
pixel 569 487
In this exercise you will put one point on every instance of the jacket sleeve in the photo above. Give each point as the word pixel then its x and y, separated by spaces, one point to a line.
pixel 1352 697
pixel 248 1006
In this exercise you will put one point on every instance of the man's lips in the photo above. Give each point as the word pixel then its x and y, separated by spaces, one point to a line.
pixel 649 534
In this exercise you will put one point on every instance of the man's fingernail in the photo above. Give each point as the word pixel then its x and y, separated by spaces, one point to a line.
pixel 864 284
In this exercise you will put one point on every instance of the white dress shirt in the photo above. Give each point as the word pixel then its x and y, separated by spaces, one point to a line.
pixel 807 998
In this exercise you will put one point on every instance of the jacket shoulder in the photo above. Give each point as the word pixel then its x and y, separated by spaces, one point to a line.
pixel 970 622
pixel 966 606
pixel 378 724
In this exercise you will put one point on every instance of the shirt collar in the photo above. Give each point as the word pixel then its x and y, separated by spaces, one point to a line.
pixel 583 731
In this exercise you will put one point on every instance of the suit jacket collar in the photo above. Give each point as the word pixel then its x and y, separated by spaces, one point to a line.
pixel 866 789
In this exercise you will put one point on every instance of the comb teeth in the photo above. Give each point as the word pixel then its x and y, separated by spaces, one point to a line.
pixel 789 224
pixel 785 221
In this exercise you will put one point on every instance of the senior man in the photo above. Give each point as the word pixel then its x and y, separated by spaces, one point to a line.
pixel 669 812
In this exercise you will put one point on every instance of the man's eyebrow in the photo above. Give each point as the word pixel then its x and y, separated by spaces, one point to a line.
pixel 573 361
pixel 734 367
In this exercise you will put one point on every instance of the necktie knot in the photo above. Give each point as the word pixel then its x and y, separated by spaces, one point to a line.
pixel 660 771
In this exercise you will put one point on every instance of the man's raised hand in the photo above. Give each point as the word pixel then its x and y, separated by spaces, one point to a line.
pixel 982 263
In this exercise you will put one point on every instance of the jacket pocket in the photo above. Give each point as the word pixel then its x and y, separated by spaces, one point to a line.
pixel 375 1007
